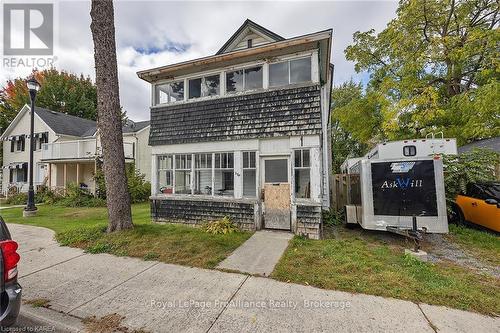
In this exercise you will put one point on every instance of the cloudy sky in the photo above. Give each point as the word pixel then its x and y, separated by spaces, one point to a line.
pixel 158 33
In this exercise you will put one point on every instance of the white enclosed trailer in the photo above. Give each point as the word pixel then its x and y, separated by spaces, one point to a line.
pixel 413 148
pixel 394 191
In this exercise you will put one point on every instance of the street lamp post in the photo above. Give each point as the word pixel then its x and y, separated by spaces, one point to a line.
pixel 33 87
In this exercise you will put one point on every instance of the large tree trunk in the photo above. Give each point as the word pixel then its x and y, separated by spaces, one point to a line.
pixel 109 116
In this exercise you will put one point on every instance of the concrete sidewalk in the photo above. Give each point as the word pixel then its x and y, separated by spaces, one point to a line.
pixel 259 254
pixel 160 297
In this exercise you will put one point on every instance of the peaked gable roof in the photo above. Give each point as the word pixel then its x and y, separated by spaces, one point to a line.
pixel 133 127
pixel 249 27
pixel 66 124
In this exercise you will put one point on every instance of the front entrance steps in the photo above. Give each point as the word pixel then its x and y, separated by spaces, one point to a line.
pixel 259 254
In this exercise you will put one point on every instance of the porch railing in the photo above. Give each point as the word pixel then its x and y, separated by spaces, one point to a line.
pixel 78 149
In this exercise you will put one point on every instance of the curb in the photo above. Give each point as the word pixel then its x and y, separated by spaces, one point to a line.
pixel 48 320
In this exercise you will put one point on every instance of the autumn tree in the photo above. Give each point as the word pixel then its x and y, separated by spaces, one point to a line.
pixel 109 115
pixel 434 68
pixel 60 91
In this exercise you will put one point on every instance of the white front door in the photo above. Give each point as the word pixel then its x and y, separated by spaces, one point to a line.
pixel 40 173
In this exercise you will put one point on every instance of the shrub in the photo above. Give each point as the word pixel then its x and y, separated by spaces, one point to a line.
pixel 333 217
pixel 139 189
pixel 17 199
pixel 477 165
pixel 45 195
pixel 78 197
pixel 223 226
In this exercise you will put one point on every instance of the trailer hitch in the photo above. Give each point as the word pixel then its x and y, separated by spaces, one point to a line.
pixel 413 233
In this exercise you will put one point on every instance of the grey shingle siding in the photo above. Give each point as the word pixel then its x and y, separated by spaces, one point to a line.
pixel 200 211
pixel 284 112
pixel 309 220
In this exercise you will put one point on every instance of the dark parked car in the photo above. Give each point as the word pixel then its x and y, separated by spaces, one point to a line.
pixel 10 290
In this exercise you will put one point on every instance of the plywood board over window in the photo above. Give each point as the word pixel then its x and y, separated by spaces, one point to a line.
pixel 277 206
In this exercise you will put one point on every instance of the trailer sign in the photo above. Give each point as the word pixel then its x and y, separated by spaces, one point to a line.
pixel 404 188
pixel 401 167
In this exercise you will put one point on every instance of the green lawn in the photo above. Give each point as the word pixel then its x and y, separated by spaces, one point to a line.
pixel 484 245
pixel 170 243
pixel 355 261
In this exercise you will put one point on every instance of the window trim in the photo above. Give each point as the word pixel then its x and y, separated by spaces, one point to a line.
pixel 192 169
pixel 248 168
pixel 301 167
pixel 202 77
pixel 222 78
pixel 409 147
pixel 288 60
pixel 196 168
pixel 261 65
pixel 168 99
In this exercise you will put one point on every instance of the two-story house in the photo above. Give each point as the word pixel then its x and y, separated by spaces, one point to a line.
pixel 67 150
pixel 244 133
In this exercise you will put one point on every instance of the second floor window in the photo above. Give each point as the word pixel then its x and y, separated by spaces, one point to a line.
pixel 169 92
pixel 244 79
pixel 204 86
pixel 18 143
pixel 290 72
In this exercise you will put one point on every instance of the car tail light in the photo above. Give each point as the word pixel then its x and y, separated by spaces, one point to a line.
pixel 10 259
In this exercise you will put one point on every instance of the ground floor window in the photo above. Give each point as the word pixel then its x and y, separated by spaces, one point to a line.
pixel 183 174
pixel 19 175
pixel 213 174
pixel 224 174
pixel 302 172
pixel 165 174
pixel 249 174
pixel 203 174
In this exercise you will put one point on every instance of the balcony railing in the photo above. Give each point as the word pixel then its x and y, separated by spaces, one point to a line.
pixel 78 149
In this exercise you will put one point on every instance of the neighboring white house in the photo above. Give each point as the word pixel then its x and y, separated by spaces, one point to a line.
pixel 245 133
pixel 67 150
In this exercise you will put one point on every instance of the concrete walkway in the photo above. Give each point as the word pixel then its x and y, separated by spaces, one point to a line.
pixel 160 297
pixel 259 254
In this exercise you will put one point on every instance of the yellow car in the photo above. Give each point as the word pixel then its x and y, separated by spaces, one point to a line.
pixel 480 205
